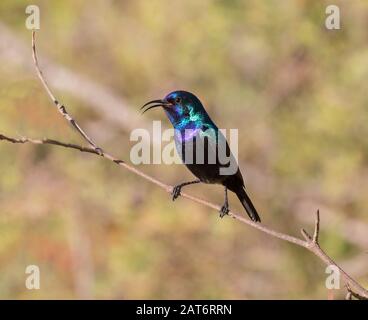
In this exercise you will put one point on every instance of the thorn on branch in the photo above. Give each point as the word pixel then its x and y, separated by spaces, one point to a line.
pixel 316 228
pixel 306 235
pixel 313 241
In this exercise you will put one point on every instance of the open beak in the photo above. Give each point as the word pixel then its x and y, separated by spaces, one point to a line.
pixel 154 104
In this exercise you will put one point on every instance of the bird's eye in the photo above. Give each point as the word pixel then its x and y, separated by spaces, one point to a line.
pixel 177 100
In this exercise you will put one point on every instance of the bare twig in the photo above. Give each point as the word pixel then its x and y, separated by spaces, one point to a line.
pixel 313 241
pixel 310 243
pixel 61 108
pixel 316 228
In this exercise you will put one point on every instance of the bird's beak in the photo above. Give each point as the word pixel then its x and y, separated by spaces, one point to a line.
pixel 156 103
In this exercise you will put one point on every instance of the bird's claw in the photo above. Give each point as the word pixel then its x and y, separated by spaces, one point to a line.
pixel 224 210
pixel 176 192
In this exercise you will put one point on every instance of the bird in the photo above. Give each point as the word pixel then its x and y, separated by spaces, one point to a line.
pixel 195 131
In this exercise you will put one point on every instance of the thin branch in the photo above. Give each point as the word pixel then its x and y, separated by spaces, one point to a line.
pixel 310 243
pixel 61 108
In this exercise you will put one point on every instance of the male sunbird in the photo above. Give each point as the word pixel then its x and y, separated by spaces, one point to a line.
pixel 192 123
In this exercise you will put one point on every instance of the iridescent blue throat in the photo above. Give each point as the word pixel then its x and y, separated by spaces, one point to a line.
pixel 187 124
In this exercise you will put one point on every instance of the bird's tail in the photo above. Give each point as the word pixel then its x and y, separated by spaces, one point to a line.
pixel 248 205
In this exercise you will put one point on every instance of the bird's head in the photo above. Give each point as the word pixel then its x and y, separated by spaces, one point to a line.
pixel 181 107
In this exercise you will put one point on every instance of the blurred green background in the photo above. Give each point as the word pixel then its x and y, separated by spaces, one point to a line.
pixel 296 91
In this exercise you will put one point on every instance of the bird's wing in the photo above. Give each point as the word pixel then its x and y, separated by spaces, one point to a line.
pixel 218 150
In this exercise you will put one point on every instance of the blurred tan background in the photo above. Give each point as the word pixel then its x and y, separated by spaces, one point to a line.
pixel 296 91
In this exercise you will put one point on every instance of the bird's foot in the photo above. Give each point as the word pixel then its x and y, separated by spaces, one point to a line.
pixel 176 192
pixel 224 210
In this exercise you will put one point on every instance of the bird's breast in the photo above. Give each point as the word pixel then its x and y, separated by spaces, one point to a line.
pixel 186 134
